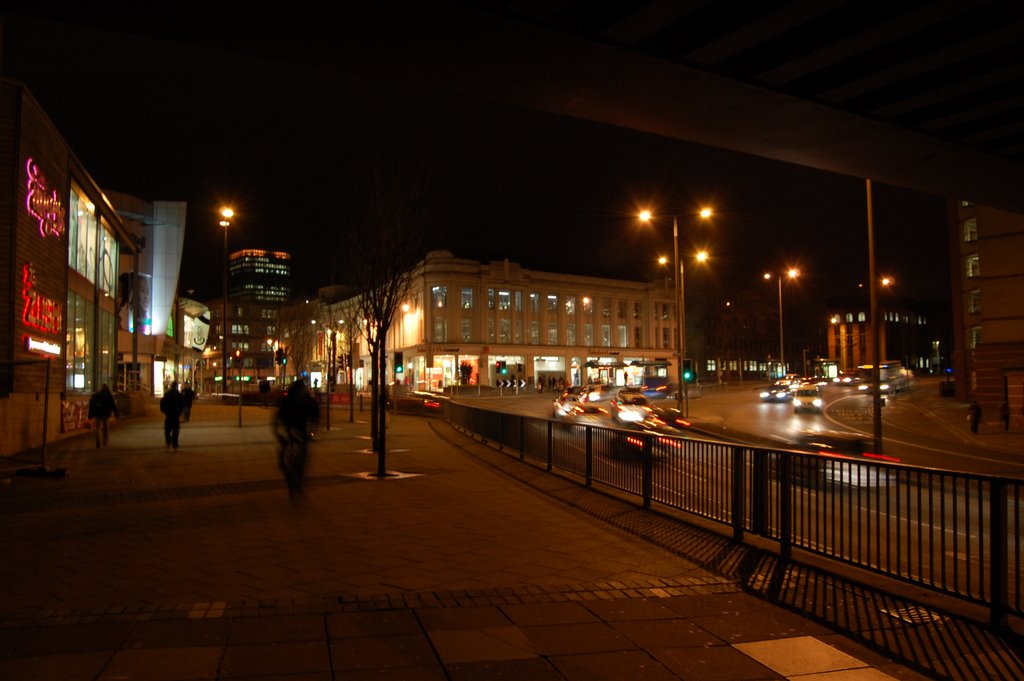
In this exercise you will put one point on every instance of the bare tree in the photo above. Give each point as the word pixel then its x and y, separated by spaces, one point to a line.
pixel 383 251
pixel 297 334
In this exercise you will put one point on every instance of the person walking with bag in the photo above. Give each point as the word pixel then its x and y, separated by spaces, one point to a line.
pixel 101 407
pixel 172 405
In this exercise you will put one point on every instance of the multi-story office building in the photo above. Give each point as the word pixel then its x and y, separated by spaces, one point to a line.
pixel 987 249
pixel 467 322
pixel 917 334
pixel 257 274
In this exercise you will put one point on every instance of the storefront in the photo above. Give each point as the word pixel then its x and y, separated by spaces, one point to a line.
pixel 65 240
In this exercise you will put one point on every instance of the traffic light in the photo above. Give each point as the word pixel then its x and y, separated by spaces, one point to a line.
pixel 279 356
pixel 501 367
pixel 399 363
pixel 688 374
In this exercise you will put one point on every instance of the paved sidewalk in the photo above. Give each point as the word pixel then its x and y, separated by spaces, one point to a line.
pixel 147 563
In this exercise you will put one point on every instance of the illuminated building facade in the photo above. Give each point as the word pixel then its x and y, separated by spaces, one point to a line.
pixel 63 240
pixel 987 248
pixel 256 274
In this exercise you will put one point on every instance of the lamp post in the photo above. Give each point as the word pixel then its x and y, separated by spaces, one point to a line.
pixel 225 326
pixel 682 394
pixel 791 273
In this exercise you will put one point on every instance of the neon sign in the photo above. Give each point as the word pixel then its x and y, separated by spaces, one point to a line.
pixel 43 204
pixel 39 311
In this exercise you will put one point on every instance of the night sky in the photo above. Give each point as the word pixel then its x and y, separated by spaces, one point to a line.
pixel 288 146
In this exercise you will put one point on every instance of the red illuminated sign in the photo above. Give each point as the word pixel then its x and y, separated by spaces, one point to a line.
pixel 39 312
pixel 42 203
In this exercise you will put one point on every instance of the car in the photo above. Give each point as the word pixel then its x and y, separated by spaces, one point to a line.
pixel 630 406
pixel 847 378
pixel 420 402
pixel 808 397
pixel 780 391
pixel 572 405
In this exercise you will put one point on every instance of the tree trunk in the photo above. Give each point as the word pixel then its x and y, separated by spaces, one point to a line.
pixel 382 415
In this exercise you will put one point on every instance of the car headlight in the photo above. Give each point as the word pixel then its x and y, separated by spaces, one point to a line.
pixel 765 394
pixel 631 416
pixel 819 403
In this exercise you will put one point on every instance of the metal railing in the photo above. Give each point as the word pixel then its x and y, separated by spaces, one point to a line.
pixel 955 533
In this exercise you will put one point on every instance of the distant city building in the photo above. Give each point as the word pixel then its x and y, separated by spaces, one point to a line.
pixel 988 278
pixel 256 274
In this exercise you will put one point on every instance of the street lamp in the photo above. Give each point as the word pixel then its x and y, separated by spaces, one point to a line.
pixel 682 395
pixel 225 213
pixel 791 273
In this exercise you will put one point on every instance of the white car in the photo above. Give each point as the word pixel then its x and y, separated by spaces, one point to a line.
pixel 808 397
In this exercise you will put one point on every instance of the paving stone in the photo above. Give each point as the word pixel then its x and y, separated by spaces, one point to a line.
pixel 164 664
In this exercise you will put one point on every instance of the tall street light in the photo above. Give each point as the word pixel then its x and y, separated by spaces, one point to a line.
pixel 682 395
pixel 225 213
pixel 791 273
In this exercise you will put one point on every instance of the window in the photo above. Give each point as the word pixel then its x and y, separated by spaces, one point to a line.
pixel 975 336
pixel 570 334
pixel 849 318
pixel 535 303
pixel 467 299
pixel 970 229
pixel 623 336
pixel 711 366
pixel 552 333
pixel 518 297
pixel 606 307
pixel 664 338
pixel 637 311
pixel 440 329
pixel 504 300
pixel 519 331
pixel 467 329
pixel 606 335
pixel 490 299
pixel 636 336
pixel 664 311
pixel 534 332
pixel 588 334
pixel 440 296
pixel 588 304
pixel 505 330
pixel 239 329
pixel 973 265
pixel 861 317
pixel 570 306
pixel 490 329
pixel 622 309
pixel 552 304
pixel 974 302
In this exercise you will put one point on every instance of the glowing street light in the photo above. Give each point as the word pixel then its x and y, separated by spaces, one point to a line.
pixel 682 394
pixel 791 273
pixel 226 213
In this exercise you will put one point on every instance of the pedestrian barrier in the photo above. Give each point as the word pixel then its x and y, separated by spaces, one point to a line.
pixel 955 533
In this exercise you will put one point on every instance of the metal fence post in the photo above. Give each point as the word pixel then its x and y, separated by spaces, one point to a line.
pixel 785 505
pixel 738 500
pixel 550 446
pixel 648 472
pixel 759 514
pixel 998 553
pixel 589 460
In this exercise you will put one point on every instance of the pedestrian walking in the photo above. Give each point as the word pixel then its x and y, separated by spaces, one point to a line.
pixel 172 404
pixel 101 408
pixel 297 416
pixel 1004 415
pixel 974 415
pixel 188 396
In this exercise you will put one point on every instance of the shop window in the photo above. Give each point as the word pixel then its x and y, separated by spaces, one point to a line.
pixel 107 265
pixel 82 250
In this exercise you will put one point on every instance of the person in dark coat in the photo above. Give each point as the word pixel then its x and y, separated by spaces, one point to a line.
pixel 297 416
pixel 101 408
pixel 974 415
pixel 188 396
pixel 172 404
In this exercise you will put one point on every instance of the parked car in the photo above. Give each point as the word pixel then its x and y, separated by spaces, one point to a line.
pixel 808 397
